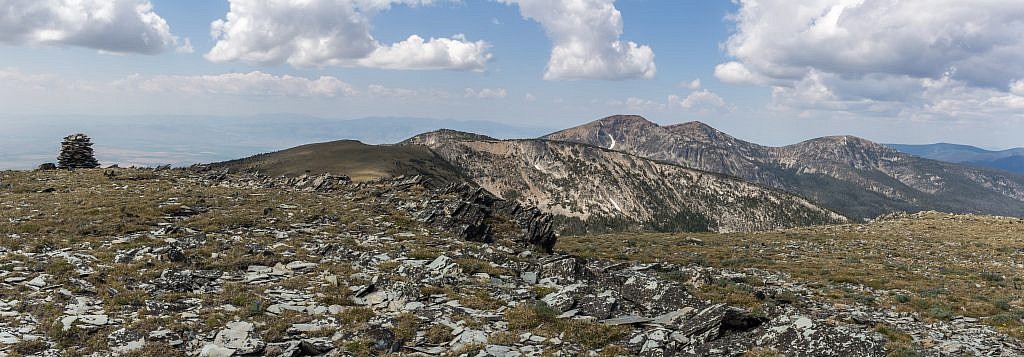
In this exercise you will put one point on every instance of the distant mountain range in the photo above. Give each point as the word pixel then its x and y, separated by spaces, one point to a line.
pixel 627 173
pixel 1010 160
pixel 850 175
pixel 27 142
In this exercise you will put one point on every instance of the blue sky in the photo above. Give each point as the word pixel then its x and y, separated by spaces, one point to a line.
pixel 775 73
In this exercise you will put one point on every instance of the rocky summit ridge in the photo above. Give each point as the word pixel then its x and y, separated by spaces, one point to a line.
pixel 593 189
pixel 853 176
pixel 209 263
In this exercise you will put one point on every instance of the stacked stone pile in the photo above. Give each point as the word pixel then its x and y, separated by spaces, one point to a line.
pixel 76 153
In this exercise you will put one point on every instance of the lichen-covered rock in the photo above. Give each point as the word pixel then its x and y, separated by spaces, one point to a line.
pixel 800 335
pixel 563 271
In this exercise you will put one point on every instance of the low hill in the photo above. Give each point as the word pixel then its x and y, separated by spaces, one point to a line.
pixel 359 161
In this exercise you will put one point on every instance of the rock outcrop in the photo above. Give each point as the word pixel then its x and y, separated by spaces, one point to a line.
pixel 476 212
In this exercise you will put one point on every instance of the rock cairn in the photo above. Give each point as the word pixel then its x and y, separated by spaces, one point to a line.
pixel 76 153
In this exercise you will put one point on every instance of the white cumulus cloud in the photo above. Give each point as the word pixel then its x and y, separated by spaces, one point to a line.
pixel 880 57
pixel 318 33
pixel 115 26
pixel 437 53
pixel 701 99
pixel 486 93
pixel 691 85
pixel 586 36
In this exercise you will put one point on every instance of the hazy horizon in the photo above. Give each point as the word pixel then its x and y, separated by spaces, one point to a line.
pixel 183 140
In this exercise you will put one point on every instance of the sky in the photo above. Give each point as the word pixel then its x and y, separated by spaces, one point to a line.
pixel 770 71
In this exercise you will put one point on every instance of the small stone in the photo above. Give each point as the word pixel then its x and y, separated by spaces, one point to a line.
pixel 568 314
pixel 37 282
pixel 176 255
pixel 500 351
pixel 299 265
pixel 124 341
pixel 316 346
pixel 95 320
pixel 626 320
pixel 237 335
pixel 529 277
pixel 212 350
pixel 6 338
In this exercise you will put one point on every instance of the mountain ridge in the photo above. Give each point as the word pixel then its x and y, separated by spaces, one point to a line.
pixel 855 176
pixel 591 185
pixel 1011 160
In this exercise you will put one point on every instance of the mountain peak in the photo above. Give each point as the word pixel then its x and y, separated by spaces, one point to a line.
pixel 609 132
pixel 848 141
pixel 625 120
pixel 445 135
pixel 693 124
pixel 700 131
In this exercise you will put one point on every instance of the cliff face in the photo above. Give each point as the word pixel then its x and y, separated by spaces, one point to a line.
pixel 596 189
pixel 850 175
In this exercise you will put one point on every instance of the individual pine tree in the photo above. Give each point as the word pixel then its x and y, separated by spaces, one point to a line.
pixel 76 153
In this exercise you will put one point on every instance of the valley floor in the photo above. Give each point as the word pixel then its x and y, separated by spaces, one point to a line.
pixel 174 262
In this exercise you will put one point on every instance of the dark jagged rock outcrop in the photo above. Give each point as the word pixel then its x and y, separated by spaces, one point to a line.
pixel 476 213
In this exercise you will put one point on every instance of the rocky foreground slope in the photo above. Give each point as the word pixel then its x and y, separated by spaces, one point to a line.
pixel 132 262
pixel 594 189
pixel 850 175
